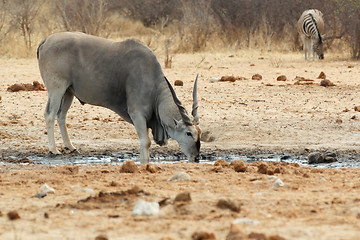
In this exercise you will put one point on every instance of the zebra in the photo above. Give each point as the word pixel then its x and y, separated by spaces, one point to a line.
pixel 310 27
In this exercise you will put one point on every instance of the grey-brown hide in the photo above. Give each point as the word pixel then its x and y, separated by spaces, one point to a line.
pixel 122 76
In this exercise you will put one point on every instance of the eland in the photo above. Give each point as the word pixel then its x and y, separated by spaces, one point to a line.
pixel 125 77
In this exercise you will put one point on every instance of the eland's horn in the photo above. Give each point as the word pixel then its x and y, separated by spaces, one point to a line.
pixel 185 117
pixel 195 106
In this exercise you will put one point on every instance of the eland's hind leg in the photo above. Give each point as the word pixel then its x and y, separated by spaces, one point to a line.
pixel 55 95
pixel 61 116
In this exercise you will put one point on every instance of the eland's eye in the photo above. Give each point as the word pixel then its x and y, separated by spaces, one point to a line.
pixel 189 134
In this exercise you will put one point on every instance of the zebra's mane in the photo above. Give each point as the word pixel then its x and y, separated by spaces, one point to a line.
pixel 317 29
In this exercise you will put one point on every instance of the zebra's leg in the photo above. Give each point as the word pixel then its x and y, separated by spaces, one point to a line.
pixel 307 45
pixel 304 45
pixel 313 50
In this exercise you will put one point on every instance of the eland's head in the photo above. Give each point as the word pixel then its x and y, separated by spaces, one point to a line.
pixel 187 132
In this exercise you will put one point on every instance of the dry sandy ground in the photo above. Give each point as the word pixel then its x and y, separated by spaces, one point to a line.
pixel 244 116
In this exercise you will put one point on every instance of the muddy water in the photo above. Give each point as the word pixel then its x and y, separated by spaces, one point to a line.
pixel 344 161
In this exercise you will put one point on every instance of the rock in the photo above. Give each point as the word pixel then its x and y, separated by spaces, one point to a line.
pixel 326 83
pixel 36 86
pixel 329 157
pixel 202 236
pixel 315 157
pixel 238 166
pixel 129 167
pixel 248 221
pixel 46 189
pixel 179 83
pixel 40 195
pixel 228 79
pixel 214 79
pixel 235 233
pixel 143 208
pixel 256 77
pixel 357 108
pixel 180 176
pixel 228 204
pixel 281 78
pixel 222 163
pixel 150 168
pixel 16 87
pixel 183 197
pixel 13 215
pixel 322 75
pixel 263 168
pixel 257 236
pixel 278 184
pixel 101 237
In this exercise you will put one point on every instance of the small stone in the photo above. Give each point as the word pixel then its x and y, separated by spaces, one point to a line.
pixel 339 121
pixel 239 166
pixel 101 237
pixel 257 236
pixel 357 108
pixel 183 197
pixel 329 157
pixel 214 79
pixel 46 215
pixel 235 233
pixel 278 183
pixel 281 78
pixel 326 83
pixel 46 189
pixel 150 168
pixel 275 237
pixel 143 208
pixel 256 77
pixel 263 168
pixel 221 163
pixel 179 83
pixel 228 204
pixel 202 236
pixel 228 79
pixel 322 75
pixel 13 215
pixel 315 157
pixel 40 195
pixel 180 176
pixel 247 221
pixel 129 167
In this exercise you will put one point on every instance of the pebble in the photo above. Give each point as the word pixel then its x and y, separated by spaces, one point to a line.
pixel 144 208
pixel 278 183
pixel 228 204
pixel 183 197
pixel 203 236
pixel 129 167
pixel 317 157
pixel 40 195
pixel 13 215
pixel 214 79
pixel 248 221
pixel 46 189
pixel 180 176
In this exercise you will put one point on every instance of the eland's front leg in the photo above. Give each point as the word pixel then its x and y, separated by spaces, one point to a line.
pixel 143 133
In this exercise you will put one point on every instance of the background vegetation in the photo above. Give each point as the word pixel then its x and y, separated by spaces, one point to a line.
pixel 179 25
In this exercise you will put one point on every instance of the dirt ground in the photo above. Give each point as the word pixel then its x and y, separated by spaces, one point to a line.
pixel 244 116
